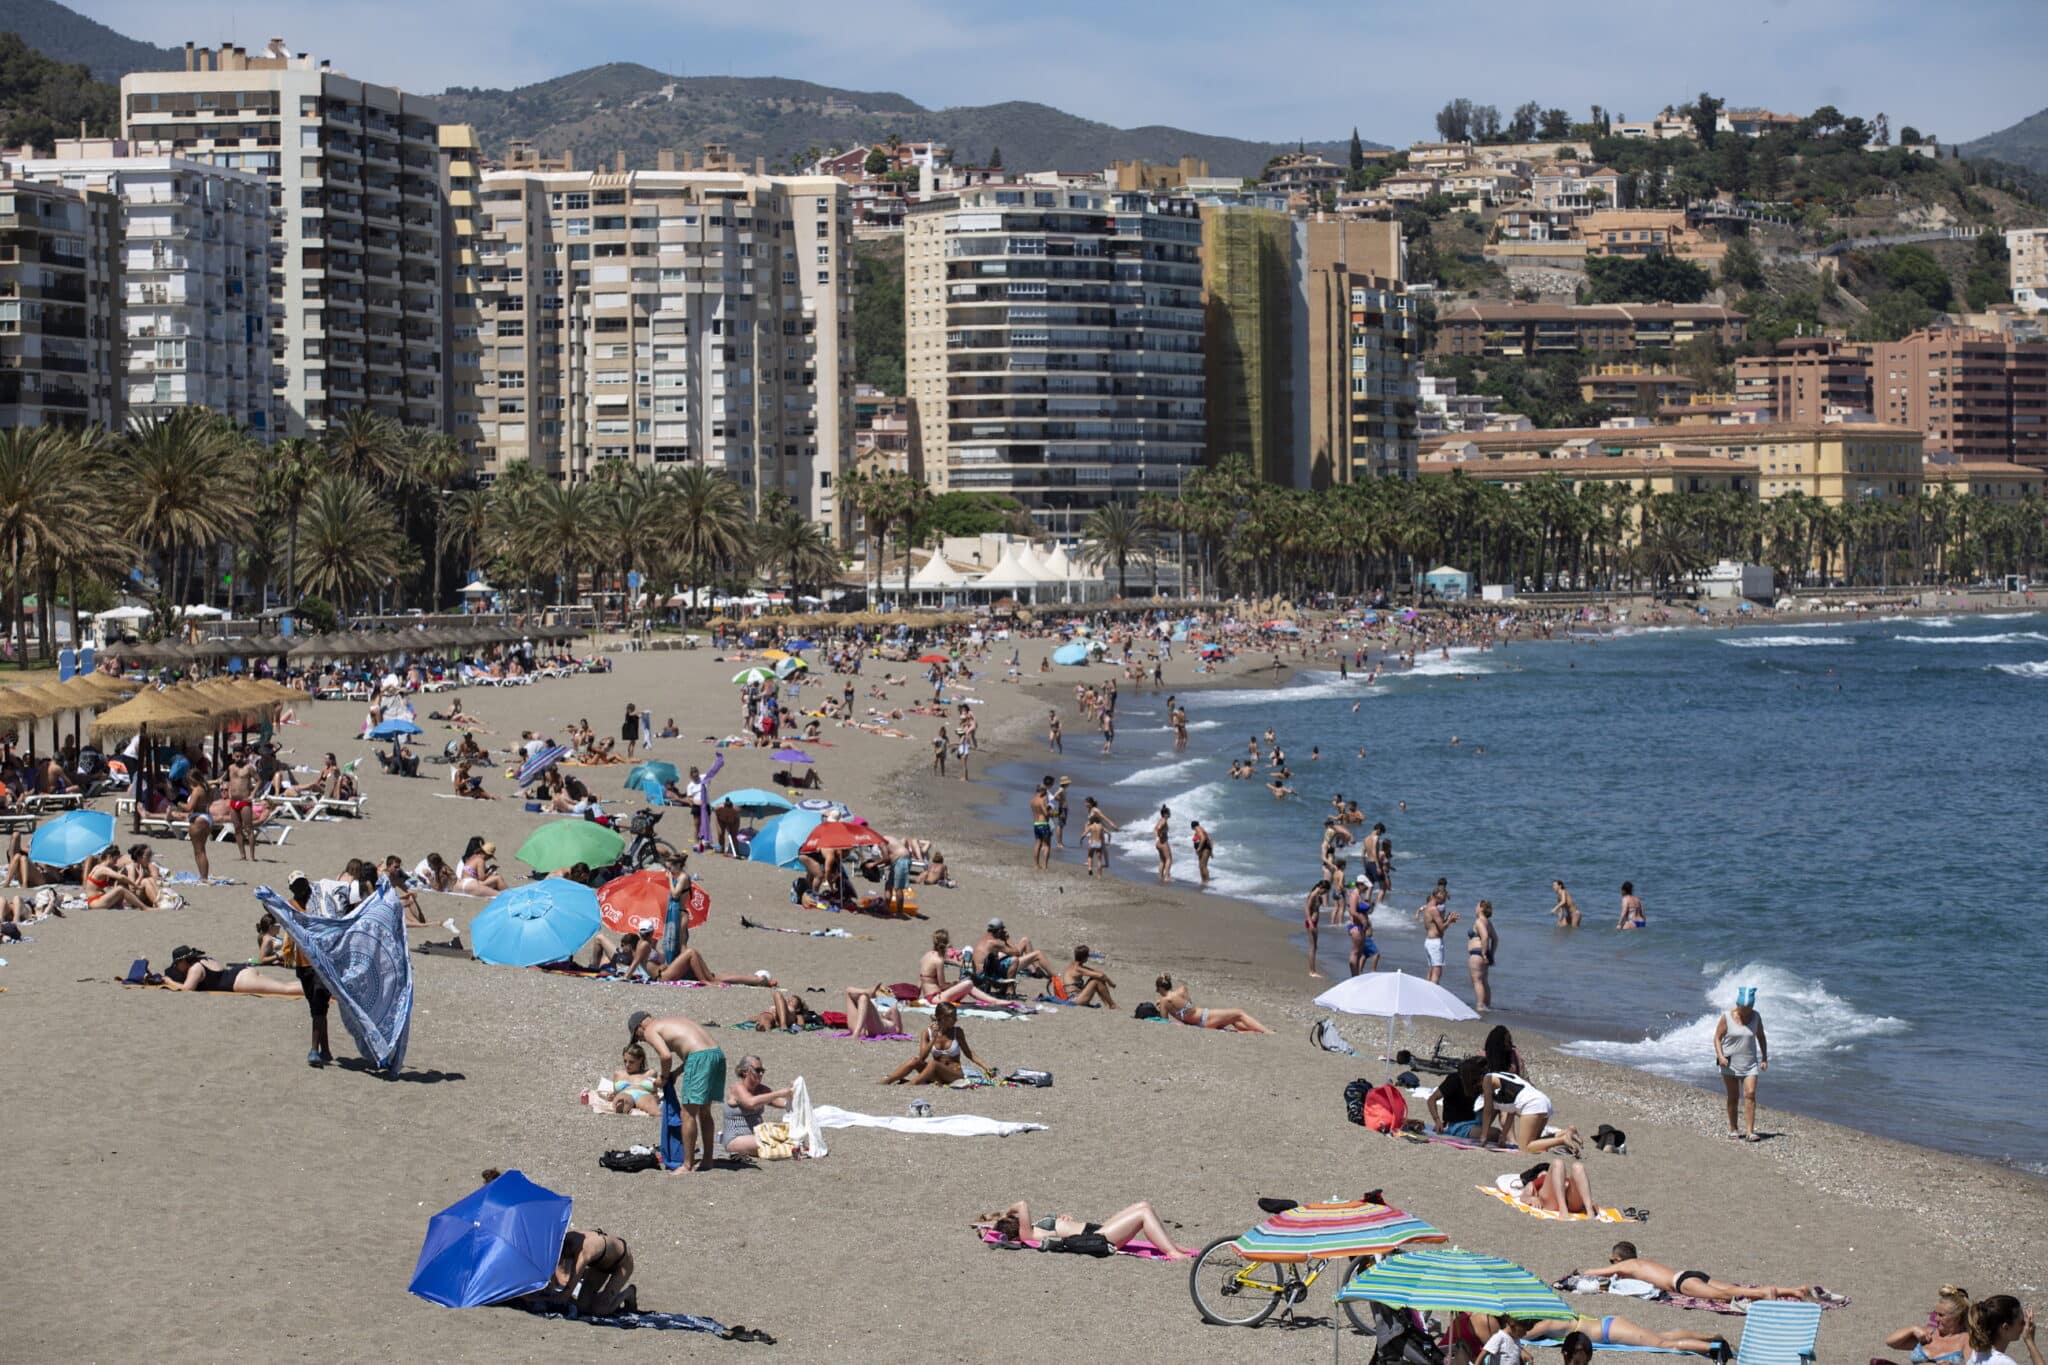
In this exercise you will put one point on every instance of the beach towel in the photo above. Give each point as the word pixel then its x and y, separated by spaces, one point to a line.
pixel 969 1012
pixel 1554 1342
pixel 746 923
pixel 1446 1140
pixel 663 1322
pixel 949 1125
pixel 1136 1247
pixel 1603 1216
pixel 1738 1307
pixel 362 959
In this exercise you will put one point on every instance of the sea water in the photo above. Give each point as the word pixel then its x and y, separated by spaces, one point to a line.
pixel 1848 817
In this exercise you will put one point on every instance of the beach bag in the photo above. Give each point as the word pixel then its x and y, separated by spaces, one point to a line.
pixel 1041 1079
pixel 1386 1109
pixel 629 1159
pixel 1354 1100
pixel 1080 1244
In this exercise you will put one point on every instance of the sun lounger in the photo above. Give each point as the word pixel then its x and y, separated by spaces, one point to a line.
pixel 39 802
pixel 17 821
pixel 1779 1332
pixel 351 806
pixel 438 685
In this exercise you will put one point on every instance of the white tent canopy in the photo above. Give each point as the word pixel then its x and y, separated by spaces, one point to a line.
pixel 124 614
pixel 1033 565
pixel 1009 574
pixel 200 609
pixel 478 589
pixel 937 575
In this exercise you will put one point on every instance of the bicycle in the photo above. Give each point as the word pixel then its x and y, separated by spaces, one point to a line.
pixel 1242 1292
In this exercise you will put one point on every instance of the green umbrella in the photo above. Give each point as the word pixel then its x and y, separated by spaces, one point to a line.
pixel 1452 1280
pixel 565 843
pixel 754 675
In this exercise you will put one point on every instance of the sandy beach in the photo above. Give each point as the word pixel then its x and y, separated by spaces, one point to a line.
pixel 185 1187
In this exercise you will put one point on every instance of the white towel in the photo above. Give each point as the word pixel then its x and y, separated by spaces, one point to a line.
pixel 950 1125
pixel 804 1129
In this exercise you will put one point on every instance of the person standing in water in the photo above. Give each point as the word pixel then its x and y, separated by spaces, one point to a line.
pixel 1204 847
pixel 1311 920
pixel 1482 939
pixel 1365 954
pixel 1743 1054
pixel 1566 909
pixel 1632 916
pixel 1162 841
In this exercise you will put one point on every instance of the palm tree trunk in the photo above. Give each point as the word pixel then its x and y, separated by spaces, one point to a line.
pixel 291 559
pixel 14 596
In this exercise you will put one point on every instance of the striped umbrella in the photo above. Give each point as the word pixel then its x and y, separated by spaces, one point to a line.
pixel 1453 1280
pixel 541 762
pixel 1352 1228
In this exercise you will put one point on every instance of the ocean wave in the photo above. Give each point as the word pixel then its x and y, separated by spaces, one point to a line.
pixel 2036 670
pixel 2011 637
pixel 1147 776
pixel 1786 641
pixel 1252 696
pixel 1803 1018
pixel 1194 725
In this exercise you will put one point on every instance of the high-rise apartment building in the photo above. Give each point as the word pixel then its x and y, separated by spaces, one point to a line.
pixel 1248 305
pixel 2027 256
pixel 356 245
pixel 1977 395
pixel 1053 345
pixel 667 317
pixel 460 180
pixel 59 305
pixel 193 272
pixel 1808 379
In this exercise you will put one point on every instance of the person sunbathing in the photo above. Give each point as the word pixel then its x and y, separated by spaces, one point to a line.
pixel 1624 1263
pixel 270 940
pixel 786 1010
pixel 940 1050
pixel 633 953
pixel 866 1017
pixel 1173 1003
pixel 192 970
pixel 1944 1338
pixel 468 785
pixel 1129 1224
pixel 1555 1186
pixel 746 1103
pixel 108 887
pixel 1622 1332
pixel 1087 985
pixel 432 873
pixel 935 873
pixel 931 986
pixel 1001 959
pixel 689 965
pixel 635 1087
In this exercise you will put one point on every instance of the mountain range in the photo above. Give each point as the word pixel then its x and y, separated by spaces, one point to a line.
pixel 2025 144
pixel 68 36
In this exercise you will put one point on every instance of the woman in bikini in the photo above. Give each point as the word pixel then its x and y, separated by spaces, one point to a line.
pixel 1086 985
pixel 931 983
pixel 1173 1003
pixel 107 887
pixel 1556 1186
pixel 479 876
pixel 1095 838
pixel 786 1010
pixel 1622 1332
pixel 1162 844
pixel 1133 1223
pixel 1480 942
pixel 193 970
pixel 635 1087
pixel 940 1051
pixel 865 1016
pixel 199 824
pixel 1944 1339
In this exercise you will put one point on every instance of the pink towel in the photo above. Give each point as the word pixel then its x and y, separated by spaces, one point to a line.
pixel 1137 1247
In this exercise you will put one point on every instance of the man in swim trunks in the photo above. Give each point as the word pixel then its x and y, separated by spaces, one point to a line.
pixel 683 1049
pixel 898 852
pixel 1623 1263
pixel 1041 826
pixel 1434 921
pixel 241 783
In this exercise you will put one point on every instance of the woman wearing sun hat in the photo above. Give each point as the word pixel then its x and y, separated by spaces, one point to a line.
pixel 1743 1054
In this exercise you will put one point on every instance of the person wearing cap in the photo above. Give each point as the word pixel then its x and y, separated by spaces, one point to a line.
pixel 1743 1053
pixel 1000 959
pixel 685 1052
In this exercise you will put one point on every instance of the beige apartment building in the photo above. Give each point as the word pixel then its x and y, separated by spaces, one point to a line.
pixel 1978 395
pixel 693 315
pixel 1808 379
pixel 461 177
pixel 2027 249
pixel 356 250
pixel 60 272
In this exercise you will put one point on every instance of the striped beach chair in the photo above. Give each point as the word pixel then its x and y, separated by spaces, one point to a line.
pixel 1779 1332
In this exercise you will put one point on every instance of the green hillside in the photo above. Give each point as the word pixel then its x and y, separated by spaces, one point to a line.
pixel 68 36
pixel 2025 144
pixel 42 100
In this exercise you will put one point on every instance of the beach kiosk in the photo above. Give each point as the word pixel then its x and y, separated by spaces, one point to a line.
pixel 1448 584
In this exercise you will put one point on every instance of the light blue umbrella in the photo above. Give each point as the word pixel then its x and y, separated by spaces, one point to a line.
pixel 756 801
pixel 783 837
pixel 540 922
pixel 1070 654
pixel 656 769
pixel 72 838
pixel 395 728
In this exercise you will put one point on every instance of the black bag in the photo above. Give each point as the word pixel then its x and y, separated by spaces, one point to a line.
pixel 641 1159
pixel 1354 1100
pixel 1080 1244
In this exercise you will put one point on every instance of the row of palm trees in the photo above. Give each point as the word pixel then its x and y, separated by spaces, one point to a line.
pixel 1251 537
pixel 372 513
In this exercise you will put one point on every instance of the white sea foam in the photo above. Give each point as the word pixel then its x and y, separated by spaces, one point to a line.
pixel 1195 725
pixel 1147 776
pixel 1803 1017
pixel 1313 691
pixel 2011 637
pixel 2037 670
pixel 1786 641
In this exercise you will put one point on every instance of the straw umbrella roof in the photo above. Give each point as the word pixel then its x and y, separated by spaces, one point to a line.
pixel 153 710
pixel 47 699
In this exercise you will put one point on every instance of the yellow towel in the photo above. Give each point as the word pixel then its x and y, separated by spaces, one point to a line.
pixel 1603 1216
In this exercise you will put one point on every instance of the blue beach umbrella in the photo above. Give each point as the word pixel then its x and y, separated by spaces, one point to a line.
pixel 545 921
pixel 72 838
pixel 783 837
pixel 395 728
pixel 755 801
pixel 541 762
pixel 1452 1280
pixel 1070 654
pixel 495 1244
pixel 656 771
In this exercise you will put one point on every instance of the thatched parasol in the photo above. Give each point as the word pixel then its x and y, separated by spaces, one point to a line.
pixel 146 713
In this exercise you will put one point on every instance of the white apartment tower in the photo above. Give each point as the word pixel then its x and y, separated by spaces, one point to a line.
pixel 1054 345
pixel 693 315
pixel 60 269
pixel 194 266
pixel 356 249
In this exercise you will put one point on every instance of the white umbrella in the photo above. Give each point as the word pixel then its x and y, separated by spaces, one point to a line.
pixel 125 614
pixel 1392 995
pixel 478 589
pixel 200 609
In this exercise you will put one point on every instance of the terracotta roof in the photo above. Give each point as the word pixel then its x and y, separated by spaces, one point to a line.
pixel 1578 466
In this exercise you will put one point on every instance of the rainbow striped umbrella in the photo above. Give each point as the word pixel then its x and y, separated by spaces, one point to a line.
pixel 1352 1228
pixel 1453 1280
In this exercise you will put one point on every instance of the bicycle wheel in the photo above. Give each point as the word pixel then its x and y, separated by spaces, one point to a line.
pixel 657 853
pixel 1358 1310
pixel 1231 1290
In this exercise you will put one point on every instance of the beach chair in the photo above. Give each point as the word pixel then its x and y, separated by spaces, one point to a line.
pixel 351 806
pixel 1779 1332
pixel 438 685
pixel 168 825
pixel 18 821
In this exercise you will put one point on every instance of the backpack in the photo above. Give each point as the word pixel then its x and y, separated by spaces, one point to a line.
pixel 1386 1109
pixel 631 1159
pixel 1354 1100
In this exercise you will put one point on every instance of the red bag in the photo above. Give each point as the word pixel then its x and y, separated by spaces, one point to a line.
pixel 1386 1109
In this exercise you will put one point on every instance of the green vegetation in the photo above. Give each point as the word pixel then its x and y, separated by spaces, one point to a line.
pixel 1989 279
pixel 970 514
pixel 1545 391
pixel 42 100
pixel 1742 268
pixel 74 40
pixel 878 314
pixel 1646 279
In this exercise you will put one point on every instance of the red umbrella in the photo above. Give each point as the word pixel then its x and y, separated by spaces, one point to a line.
pixel 935 658
pixel 638 902
pixel 841 835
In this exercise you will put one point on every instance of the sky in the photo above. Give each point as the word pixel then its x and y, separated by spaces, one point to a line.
pixel 1274 70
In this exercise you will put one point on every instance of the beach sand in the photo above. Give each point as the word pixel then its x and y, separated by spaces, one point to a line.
pixel 183 1186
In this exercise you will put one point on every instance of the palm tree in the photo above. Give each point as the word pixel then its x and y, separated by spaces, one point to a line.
pixel 1114 534
pixel 463 524
pixel 369 446
pixel 351 541
pixel 43 488
pixel 290 469
pixel 911 499
pixel 791 541
pixel 179 489
pixel 708 523
pixel 431 460
pixel 559 520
